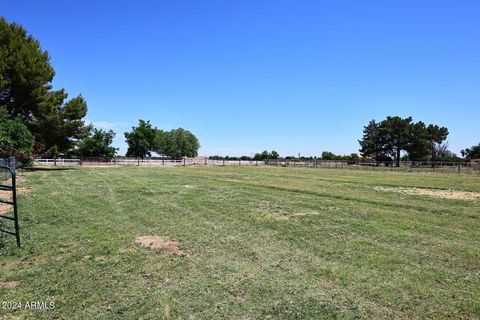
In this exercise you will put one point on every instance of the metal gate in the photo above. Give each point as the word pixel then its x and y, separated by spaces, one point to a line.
pixel 8 202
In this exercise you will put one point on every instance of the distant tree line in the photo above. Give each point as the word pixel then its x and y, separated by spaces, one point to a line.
pixel 261 156
pixel 230 158
pixel 441 154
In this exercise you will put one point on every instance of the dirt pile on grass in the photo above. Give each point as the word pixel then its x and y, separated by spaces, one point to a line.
pixel 436 193
pixel 158 243
pixel 9 284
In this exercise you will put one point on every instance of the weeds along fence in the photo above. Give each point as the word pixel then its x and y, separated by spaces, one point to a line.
pixel 146 162
pixel 406 166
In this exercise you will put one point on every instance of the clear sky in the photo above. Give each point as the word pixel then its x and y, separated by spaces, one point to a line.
pixel 244 76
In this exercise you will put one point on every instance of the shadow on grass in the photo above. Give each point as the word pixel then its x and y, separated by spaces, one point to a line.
pixel 32 169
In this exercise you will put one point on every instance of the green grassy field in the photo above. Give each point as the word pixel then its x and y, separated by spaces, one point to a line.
pixel 258 243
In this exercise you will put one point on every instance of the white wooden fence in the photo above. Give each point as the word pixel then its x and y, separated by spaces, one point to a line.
pixel 59 162
pixel 148 162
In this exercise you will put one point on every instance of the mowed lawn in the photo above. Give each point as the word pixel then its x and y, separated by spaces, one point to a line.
pixel 258 243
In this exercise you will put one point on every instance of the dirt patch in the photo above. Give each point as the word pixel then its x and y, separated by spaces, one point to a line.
pixel 9 284
pixel 299 215
pixel 126 250
pixel 304 214
pixel 158 243
pixel 279 216
pixel 436 193
pixel 5 208
pixel 277 212
pixel 7 195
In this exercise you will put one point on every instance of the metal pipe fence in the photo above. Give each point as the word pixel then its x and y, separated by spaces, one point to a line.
pixel 8 203
pixel 406 166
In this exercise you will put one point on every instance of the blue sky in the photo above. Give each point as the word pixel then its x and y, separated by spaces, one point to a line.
pixel 244 76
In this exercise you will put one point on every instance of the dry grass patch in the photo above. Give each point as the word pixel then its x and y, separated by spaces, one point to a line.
pixel 436 193
pixel 7 195
pixel 158 243
pixel 9 284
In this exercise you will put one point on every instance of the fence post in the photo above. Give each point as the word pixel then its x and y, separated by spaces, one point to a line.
pixel 224 162
pixel 184 162
pixel 256 163
pixel 15 211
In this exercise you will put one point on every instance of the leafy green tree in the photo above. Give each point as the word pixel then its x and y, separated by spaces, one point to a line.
pixel 60 123
pixel 327 155
pixel 435 136
pixel 395 135
pixel 265 155
pixel 141 140
pixel 15 138
pixel 472 153
pixel 371 143
pixel 25 72
pixel 178 143
pixel 160 145
pixel 97 144
pixel 261 156
pixel 418 146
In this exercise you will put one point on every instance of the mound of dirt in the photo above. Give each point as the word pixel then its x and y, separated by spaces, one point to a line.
pixel 9 284
pixel 436 193
pixel 158 243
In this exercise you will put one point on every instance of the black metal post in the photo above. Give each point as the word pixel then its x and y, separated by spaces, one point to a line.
pixel 15 210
